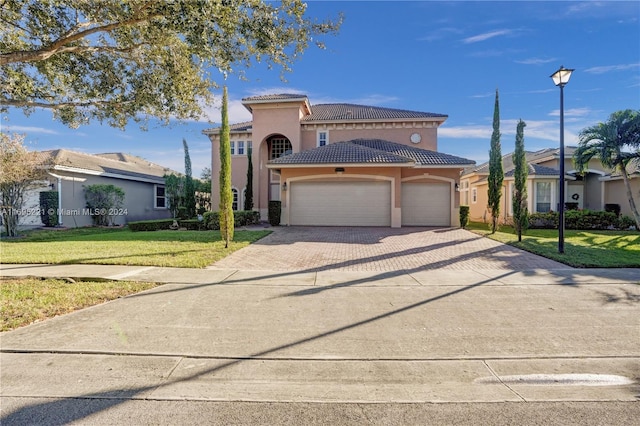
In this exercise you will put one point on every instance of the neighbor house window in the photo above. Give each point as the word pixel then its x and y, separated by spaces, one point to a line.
pixel 543 197
pixel 160 198
pixel 240 147
pixel 234 192
pixel 474 195
pixel 232 144
pixel 323 138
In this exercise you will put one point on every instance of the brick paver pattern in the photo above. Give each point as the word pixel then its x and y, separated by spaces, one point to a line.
pixel 315 249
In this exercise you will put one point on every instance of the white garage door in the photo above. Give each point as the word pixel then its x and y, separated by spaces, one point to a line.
pixel 340 203
pixel 426 204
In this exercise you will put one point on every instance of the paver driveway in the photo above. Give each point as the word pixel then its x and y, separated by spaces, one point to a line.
pixel 303 248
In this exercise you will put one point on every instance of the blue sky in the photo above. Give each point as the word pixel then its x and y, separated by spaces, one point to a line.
pixel 441 57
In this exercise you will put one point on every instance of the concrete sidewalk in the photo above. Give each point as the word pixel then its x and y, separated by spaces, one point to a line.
pixel 239 337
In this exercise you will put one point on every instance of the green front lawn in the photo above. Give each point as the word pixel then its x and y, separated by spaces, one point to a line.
pixel 584 249
pixel 28 300
pixel 104 246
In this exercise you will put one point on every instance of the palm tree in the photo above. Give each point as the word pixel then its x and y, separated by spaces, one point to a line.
pixel 607 141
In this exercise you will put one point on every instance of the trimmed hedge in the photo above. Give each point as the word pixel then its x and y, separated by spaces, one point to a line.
pixel 274 213
pixel 211 220
pixel 464 216
pixel 49 208
pixel 581 219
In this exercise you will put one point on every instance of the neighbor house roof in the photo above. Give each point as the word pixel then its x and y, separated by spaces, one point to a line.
pixel 370 152
pixel 535 170
pixel 532 157
pixel 117 164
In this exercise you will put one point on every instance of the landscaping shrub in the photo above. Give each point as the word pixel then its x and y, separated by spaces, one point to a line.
pixel 211 220
pixel 150 225
pixel 464 216
pixel 547 220
pixel 275 210
pixel 49 208
pixel 581 219
pixel 626 222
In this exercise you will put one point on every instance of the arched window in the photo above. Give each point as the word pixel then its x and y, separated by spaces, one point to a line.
pixel 279 146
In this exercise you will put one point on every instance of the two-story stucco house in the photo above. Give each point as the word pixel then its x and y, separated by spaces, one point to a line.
pixel 342 164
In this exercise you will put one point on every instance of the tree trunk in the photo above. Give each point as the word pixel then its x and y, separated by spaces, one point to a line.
pixel 632 203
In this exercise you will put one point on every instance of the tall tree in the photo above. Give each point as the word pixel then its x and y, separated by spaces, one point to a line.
pixel 496 172
pixel 248 196
pixel 226 196
pixel 115 61
pixel 520 210
pixel 19 172
pixel 607 141
pixel 189 186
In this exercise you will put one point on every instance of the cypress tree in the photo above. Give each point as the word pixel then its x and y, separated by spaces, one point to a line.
pixel 226 196
pixel 520 210
pixel 189 186
pixel 496 173
pixel 248 196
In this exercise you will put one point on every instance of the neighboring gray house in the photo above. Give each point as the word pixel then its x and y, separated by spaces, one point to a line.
pixel 141 180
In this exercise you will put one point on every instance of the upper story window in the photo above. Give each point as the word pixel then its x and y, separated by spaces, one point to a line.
pixel 474 195
pixel 240 150
pixel 279 146
pixel 232 144
pixel 323 138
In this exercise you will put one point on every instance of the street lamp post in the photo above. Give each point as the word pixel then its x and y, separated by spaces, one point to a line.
pixel 560 79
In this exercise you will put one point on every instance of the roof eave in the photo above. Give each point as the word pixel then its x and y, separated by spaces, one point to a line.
pixel 316 165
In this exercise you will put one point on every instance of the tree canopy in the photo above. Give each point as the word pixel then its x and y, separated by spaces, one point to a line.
pixel 615 143
pixel 121 60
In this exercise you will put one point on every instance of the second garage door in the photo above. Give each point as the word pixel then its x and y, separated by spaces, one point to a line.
pixel 426 204
pixel 340 203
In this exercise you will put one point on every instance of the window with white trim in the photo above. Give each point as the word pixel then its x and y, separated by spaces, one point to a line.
pixel 240 148
pixel 232 144
pixel 543 197
pixel 323 138
pixel 160 199
pixel 474 195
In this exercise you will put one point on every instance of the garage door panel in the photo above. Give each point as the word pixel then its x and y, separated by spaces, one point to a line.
pixel 340 203
pixel 426 204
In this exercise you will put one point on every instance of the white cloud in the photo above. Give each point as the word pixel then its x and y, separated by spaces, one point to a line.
pixel 535 61
pixel 30 129
pixel 572 112
pixel 486 36
pixel 610 68
pixel 465 132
